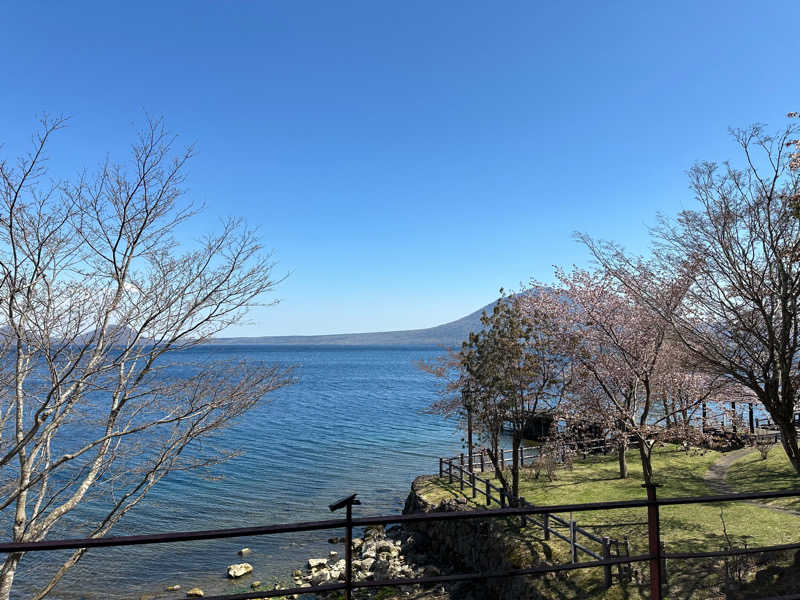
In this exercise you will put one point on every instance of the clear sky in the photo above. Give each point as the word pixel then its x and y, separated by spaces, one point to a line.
pixel 406 159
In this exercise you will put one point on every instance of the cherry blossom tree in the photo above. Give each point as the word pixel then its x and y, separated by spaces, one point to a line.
pixel 627 376
pixel 737 255
pixel 794 164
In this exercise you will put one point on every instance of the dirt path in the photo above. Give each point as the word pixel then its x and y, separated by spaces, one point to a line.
pixel 716 478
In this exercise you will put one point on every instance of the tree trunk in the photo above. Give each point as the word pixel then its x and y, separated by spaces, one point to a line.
pixel 515 443
pixel 647 466
pixel 7 575
pixel 494 457
pixel 623 462
pixel 789 441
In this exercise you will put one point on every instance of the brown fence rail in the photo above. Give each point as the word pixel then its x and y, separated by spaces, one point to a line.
pixel 654 557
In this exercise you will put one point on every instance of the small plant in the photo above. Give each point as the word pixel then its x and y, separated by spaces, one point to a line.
pixel 736 567
pixel 545 463
pixel 385 593
pixel 764 447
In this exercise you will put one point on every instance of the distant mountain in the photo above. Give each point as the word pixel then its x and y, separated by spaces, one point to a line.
pixel 450 334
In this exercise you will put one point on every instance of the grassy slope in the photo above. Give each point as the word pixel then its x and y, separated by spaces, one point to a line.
pixel 751 474
pixel 683 528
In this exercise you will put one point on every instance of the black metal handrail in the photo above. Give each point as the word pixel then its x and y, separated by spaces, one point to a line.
pixel 654 557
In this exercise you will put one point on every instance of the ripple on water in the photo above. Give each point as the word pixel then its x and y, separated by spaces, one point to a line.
pixel 351 424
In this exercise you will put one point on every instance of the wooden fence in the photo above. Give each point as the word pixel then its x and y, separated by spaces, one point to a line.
pixel 480 460
pixel 454 469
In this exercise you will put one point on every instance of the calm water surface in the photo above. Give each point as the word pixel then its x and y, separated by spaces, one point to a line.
pixel 351 424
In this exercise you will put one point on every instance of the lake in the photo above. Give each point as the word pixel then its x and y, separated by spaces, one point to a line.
pixel 352 423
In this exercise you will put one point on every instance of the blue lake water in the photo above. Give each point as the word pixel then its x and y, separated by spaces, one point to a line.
pixel 352 423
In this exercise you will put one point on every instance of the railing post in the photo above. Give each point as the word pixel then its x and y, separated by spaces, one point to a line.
pixel 488 494
pixel 627 567
pixel 461 475
pixel 348 553
pixel 546 523
pixel 502 498
pixel 521 504
pixel 441 467
pixel 450 471
pixel 606 556
pixel 573 541
pixel 654 542
pixel 347 502
pixel 472 481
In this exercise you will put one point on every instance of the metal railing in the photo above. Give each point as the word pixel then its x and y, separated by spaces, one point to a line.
pixel 655 556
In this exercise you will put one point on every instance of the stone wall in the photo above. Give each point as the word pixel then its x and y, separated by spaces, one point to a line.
pixel 473 545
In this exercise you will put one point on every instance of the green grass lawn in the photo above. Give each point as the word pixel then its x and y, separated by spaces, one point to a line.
pixel 751 474
pixel 695 527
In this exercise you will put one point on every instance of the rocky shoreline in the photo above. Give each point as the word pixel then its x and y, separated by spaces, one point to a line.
pixel 380 554
pixel 377 554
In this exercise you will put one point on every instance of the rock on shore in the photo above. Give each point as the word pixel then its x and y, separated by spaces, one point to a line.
pixel 239 570
pixel 380 554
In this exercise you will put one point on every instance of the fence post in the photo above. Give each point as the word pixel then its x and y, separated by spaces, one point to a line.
pixel 546 523
pixel 483 453
pixel 654 542
pixel 502 498
pixel 450 471
pixel 441 467
pixel 573 534
pixel 627 567
pixel 472 481
pixel 461 476
pixel 663 565
pixel 522 456
pixel 606 556
pixel 521 503
pixel 347 503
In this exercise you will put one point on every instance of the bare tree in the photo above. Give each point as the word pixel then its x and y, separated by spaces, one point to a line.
pixel 95 295
pixel 738 256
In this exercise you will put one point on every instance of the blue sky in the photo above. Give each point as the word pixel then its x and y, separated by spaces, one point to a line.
pixel 404 160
